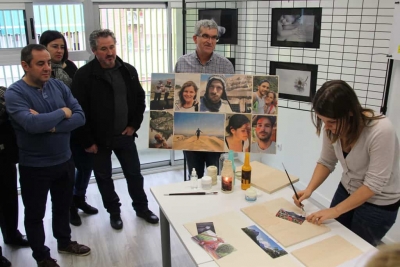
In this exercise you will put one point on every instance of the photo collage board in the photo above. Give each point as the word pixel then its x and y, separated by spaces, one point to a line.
pixel 214 112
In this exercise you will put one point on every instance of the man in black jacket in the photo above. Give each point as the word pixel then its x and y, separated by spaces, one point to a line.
pixel 113 100
pixel 8 183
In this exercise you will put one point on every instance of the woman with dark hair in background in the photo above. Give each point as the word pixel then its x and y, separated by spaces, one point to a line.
pixel 367 199
pixel 238 130
pixel 187 97
pixel 270 99
pixel 64 70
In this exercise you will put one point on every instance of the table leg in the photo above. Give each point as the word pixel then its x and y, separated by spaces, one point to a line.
pixel 165 240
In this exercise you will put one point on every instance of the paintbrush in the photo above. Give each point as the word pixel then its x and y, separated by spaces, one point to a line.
pixel 297 196
pixel 191 194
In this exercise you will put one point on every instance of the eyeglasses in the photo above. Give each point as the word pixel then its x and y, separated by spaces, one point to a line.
pixel 208 37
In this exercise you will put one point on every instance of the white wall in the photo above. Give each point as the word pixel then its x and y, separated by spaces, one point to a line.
pixel 393 113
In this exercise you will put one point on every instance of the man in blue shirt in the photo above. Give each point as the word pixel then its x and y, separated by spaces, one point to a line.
pixel 43 113
pixel 204 60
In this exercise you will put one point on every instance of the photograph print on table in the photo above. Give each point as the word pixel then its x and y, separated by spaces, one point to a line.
pixel 297 81
pixel 296 27
pixel 213 244
pixel 264 242
pixel 205 226
pixel 290 216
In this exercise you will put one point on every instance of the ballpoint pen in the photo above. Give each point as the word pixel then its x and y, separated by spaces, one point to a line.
pixel 191 193
pixel 297 196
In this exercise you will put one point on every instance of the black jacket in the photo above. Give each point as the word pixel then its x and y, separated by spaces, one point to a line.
pixel 8 143
pixel 95 94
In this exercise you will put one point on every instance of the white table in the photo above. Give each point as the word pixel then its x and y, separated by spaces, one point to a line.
pixel 178 210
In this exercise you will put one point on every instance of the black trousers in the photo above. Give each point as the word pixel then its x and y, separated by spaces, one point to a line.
pixel 125 150
pixel 36 182
pixel 8 200
pixel 197 159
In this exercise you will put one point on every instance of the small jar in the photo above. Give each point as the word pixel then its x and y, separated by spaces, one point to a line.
pixel 212 172
pixel 227 177
pixel 250 194
pixel 206 182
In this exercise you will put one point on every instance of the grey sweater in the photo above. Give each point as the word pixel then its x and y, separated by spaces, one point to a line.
pixel 373 162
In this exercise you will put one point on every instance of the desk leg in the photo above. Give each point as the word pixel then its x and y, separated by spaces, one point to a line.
pixel 165 240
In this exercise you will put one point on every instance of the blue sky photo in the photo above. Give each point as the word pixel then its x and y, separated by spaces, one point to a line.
pixel 210 124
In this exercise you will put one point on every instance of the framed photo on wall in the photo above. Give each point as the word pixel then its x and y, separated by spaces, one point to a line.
pixel 296 81
pixel 227 20
pixel 296 27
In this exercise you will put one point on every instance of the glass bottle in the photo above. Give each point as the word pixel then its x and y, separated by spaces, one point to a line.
pixel 246 172
pixel 227 177
pixel 193 179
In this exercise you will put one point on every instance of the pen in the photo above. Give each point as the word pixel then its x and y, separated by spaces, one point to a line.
pixel 191 193
pixel 297 196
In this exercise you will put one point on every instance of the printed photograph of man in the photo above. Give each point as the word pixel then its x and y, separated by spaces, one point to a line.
pixel 264 134
pixel 214 98
pixel 161 87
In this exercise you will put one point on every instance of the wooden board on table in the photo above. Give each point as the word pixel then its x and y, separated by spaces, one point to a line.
pixel 285 232
pixel 331 252
pixel 267 178
pixel 228 226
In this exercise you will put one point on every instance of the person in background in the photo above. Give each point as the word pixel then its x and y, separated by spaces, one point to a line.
pixel 204 60
pixel 367 199
pixel 238 130
pixel 187 98
pixel 112 123
pixel 43 113
pixel 64 70
pixel 8 183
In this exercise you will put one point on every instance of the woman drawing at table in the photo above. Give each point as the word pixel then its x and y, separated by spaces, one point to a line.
pixel 368 197
pixel 238 130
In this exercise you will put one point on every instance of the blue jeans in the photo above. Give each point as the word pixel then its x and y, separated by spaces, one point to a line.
pixel 84 166
pixel 370 222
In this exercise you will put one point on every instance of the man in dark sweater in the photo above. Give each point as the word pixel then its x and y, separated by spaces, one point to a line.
pixel 43 112
pixel 110 93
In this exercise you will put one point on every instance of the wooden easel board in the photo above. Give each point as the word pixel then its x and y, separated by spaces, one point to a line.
pixel 329 252
pixel 229 226
pixel 267 178
pixel 285 232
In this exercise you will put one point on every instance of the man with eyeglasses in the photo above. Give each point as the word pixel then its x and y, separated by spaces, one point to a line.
pixel 204 60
